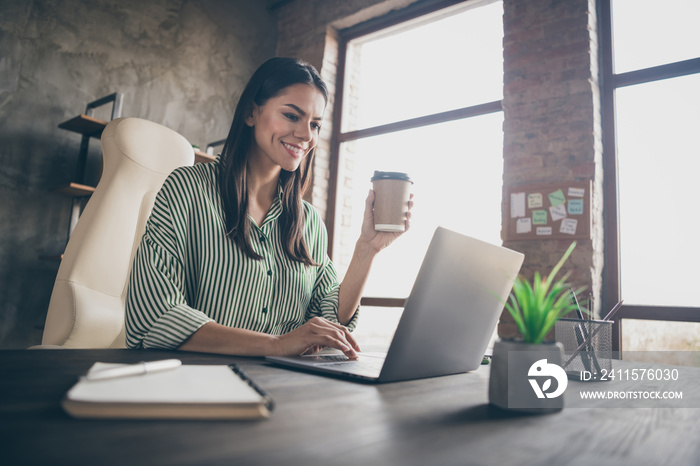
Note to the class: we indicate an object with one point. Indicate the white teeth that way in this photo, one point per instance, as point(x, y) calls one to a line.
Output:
point(296, 150)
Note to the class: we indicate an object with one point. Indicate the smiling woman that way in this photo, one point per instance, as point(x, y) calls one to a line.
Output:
point(286, 128)
point(271, 87)
point(233, 260)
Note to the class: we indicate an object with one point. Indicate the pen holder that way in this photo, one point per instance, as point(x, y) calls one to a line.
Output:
point(587, 348)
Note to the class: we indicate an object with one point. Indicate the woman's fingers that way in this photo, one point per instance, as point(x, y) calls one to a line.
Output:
point(350, 339)
point(369, 200)
point(311, 350)
point(337, 336)
point(344, 332)
point(408, 213)
point(319, 333)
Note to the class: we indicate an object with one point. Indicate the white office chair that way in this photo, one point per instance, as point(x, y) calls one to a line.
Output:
point(88, 300)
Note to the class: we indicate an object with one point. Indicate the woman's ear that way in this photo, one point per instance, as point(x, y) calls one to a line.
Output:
point(250, 120)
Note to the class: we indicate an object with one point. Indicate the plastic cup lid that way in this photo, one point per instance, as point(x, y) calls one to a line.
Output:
point(378, 175)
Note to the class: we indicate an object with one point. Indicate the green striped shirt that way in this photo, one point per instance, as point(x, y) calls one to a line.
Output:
point(187, 272)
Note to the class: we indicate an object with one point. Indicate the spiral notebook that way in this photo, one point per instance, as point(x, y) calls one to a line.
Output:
point(188, 392)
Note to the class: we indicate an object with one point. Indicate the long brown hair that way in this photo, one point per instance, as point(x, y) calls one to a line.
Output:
point(268, 81)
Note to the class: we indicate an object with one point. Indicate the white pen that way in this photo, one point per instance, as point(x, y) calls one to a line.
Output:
point(141, 368)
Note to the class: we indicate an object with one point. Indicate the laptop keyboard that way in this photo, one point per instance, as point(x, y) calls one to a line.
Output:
point(364, 363)
point(332, 357)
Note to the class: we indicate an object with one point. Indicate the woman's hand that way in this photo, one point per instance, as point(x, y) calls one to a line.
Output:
point(314, 335)
point(378, 240)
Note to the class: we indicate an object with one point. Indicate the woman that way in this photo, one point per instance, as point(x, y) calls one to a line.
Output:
point(233, 260)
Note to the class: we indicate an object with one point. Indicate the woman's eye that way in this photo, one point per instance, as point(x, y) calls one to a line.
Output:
point(316, 126)
point(291, 117)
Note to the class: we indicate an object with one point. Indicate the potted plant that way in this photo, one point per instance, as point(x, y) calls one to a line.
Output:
point(524, 371)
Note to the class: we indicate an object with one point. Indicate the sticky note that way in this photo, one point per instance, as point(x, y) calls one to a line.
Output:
point(577, 192)
point(534, 200)
point(575, 206)
point(544, 231)
point(557, 198)
point(557, 212)
point(539, 217)
point(568, 226)
point(524, 225)
point(517, 205)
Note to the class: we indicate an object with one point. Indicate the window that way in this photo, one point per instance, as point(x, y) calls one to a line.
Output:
point(421, 96)
point(651, 113)
point(659, 163)
point(649, 33)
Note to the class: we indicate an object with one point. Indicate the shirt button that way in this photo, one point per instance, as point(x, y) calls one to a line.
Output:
point(269, 273)
point(264, 310)
point(262, 238)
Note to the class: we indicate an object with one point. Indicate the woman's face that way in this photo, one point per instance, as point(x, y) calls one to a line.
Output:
point(286, 127)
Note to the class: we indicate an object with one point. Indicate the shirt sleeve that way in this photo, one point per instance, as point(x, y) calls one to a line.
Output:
point(325, 297)
point(157, 313)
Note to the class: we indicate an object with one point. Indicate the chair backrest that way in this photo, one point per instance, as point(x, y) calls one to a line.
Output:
point(88, 300)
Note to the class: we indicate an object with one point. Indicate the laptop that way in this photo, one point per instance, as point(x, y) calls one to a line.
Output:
point(447, 322)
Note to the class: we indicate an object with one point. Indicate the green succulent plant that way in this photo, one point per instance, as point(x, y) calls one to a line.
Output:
point(536, 306)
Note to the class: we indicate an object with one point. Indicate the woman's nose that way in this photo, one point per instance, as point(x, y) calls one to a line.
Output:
point(303, 132)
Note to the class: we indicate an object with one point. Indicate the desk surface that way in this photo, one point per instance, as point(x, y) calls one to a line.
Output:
point(324, 421)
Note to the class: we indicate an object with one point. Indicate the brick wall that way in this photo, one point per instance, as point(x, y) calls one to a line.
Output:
point(552, 127)
point(552, 130)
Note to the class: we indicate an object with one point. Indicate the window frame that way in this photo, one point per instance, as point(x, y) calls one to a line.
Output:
point(339, 137)
point(612, 81)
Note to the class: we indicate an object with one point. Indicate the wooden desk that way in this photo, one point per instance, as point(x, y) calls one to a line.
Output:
point(323, 421)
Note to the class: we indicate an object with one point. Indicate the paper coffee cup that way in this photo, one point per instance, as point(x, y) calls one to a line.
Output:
point(391, 193)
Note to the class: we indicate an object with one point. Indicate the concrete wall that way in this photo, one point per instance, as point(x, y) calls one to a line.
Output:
point(181, 63)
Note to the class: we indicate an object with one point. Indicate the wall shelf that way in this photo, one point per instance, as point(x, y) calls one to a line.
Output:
point(202, 157)
point(89, 127)
point(85, 125)
point(75, 190)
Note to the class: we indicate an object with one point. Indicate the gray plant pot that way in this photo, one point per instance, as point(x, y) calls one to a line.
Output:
point(521, 381)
